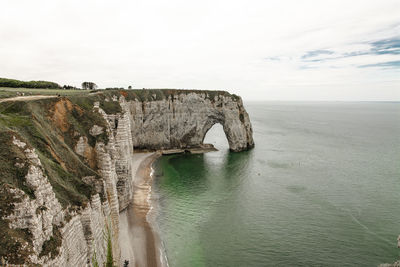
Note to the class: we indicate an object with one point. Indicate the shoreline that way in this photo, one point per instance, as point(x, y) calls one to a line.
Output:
point(140, 243)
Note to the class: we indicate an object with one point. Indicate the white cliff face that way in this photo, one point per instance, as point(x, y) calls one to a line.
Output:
point(38, 215)
point(82, 236)
point(120, 124)
point(183, 120)
point(180, 121)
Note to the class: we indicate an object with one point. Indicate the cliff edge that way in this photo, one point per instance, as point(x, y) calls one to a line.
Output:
point(66, 162)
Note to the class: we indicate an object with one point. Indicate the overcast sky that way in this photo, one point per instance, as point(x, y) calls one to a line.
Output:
point(261, 50)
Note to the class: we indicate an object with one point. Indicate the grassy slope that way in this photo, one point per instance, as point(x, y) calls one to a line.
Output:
point(6, 92)
point(140, 94)
point(53, 126)
point(35, 123)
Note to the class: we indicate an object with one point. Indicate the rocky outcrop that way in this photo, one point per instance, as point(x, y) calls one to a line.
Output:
point(74, 236)
point(81, 237)
point(120, 126)
point(40, 214)
point(182, 121)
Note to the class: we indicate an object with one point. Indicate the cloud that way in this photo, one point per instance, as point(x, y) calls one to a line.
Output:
point(273, 58)
point(389, 64)
point(386, 46)
point(371, 50)
point(277, 49)
point(314, 53)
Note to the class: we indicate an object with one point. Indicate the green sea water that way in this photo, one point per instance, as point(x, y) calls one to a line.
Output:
point(320, 188)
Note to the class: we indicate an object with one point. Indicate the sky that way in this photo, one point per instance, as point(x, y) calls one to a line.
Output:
point(260, 49)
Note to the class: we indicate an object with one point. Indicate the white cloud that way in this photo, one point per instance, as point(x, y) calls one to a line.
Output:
point(216, 44)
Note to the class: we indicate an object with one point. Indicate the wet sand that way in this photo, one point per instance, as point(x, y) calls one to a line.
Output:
point(140, 245)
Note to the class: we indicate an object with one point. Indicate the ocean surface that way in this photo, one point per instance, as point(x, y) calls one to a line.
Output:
point(320, 188)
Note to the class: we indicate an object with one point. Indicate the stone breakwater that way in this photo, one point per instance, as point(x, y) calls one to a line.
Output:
point(180, 121)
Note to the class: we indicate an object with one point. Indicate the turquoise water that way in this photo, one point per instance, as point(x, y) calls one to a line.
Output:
point(321, 188)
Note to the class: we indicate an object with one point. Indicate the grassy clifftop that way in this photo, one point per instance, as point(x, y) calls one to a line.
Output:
point(53, 126)
point(6, 92)
point(160, 94)
point(139, 94)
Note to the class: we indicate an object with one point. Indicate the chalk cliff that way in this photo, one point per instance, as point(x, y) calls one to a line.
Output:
point(182, 121)
point(67, 167)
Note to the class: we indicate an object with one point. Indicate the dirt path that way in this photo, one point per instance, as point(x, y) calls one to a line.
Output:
point(29, 97)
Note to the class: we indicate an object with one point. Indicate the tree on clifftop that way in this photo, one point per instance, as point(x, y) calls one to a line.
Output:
point(89, 86)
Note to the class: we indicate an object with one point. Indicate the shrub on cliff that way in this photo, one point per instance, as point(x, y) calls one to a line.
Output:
point(4, 82)
point(89, 86)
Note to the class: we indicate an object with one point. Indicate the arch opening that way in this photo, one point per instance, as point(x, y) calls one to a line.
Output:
point(216, 136)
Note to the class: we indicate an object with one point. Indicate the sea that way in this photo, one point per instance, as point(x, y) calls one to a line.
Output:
point(320, 188)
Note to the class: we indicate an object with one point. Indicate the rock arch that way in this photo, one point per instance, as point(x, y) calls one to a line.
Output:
point(217, 125)
point(182, 121)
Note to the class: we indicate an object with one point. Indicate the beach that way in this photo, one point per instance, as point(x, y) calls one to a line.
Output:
point(139, 243)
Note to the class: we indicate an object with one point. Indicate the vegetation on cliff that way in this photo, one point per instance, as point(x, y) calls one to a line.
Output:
point(4, 82)
point(160, 94)
point(53, 127)
point(6, 92)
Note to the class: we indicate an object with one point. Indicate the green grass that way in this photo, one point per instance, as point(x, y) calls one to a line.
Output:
point(5, 82)
point(160, 94)
point(6, 92)
point(51, 247)
point(9, 156)
point(139, 94)
point(32, 122)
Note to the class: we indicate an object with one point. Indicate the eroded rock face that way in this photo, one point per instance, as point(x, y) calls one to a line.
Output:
point(183, 120)
point(40, 214)
point(82, 236)
point(178, 122)
point(120, 126)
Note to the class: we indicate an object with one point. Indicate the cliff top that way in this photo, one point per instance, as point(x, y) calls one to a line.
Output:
point(160, 94)
point(59, 134)
point(131, 94)
point(53, 125)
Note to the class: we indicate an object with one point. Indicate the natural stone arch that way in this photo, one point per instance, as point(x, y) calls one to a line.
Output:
point(183, 120)
point(207, 132)
point(216, 137)
point(208, 125)
point(236, 126)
